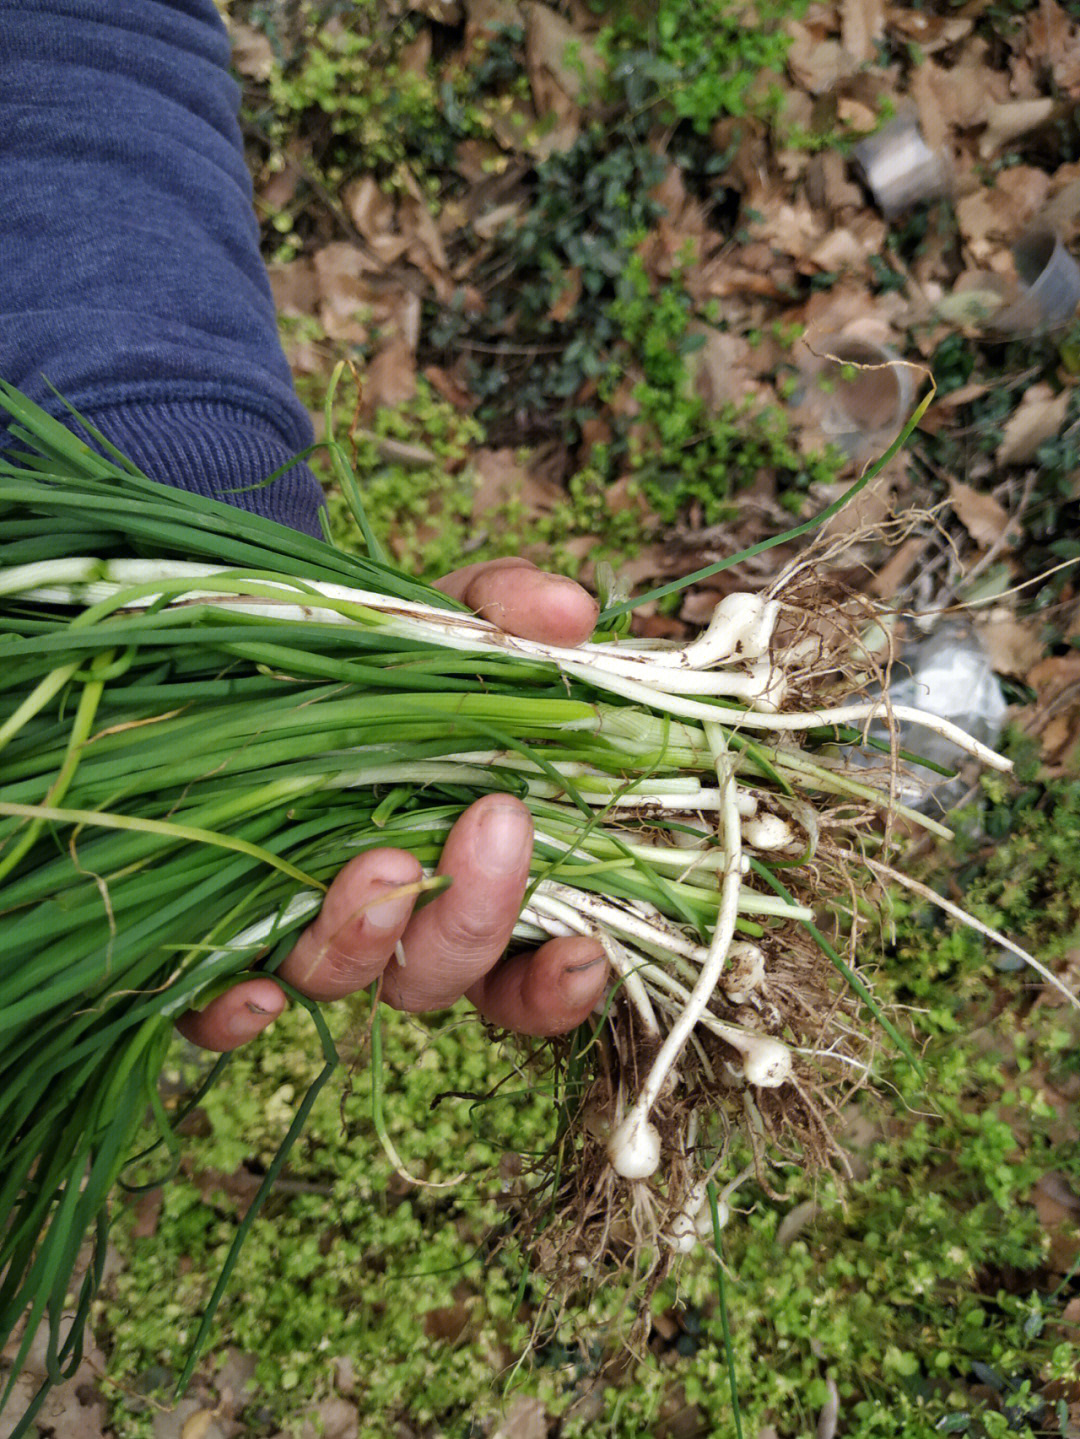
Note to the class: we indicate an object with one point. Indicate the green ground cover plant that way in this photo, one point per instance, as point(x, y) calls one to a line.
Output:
point(697, 63)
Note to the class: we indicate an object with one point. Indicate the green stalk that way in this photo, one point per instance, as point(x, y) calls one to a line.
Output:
point(80, 733)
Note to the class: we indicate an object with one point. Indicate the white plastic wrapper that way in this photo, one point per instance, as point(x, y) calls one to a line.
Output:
point(946, 674)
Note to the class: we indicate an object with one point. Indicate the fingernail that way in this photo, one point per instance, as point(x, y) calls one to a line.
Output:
point(578, 981)
point(388, 914)
point(503, 836)
point(585, 964)
point(244, 1023)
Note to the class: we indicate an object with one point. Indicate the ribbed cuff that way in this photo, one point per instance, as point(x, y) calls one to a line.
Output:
point(217, 450)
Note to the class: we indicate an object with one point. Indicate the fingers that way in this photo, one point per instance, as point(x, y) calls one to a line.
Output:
point(460, 935)
point(453, 943)
point(235, 1017)
point(523, 600)
point(548, 992)
point(360, 922)
point(451, 947)
point(362, 918)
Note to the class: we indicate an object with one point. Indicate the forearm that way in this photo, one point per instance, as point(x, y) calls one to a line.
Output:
point(130, 275)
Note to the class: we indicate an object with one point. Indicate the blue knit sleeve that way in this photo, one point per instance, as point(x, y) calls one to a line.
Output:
point(130, 274)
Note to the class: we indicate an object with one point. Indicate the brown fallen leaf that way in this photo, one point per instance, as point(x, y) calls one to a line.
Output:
point(1064, 1251)
point(816, 62)
point(448, 1323)
point(948, 98)
point(1060, 213)
point(862, 25)
point(984, 517)
point(524, 1417)
point(277, 183)
point(973, 390)
point(502, 479)
point(294, 287)
point(561, 66)
point(886, 581)
point(1023, 190)
point(1052, 676)
point(489, 16)
point(569, 295)
point(252, 53)
point(147, 1207)
point(476, 160)
point(495, 220)
point(867, 510)
point(841, 249)
point(1055, 38)
point(930, 32)
point(1009, 121)
point(857, 115)
point(234, 1381)
point(424, 244)
point(827, 183)
point(344, 293)
point(371, 211)
point(1000, 210)
point(791, 227)
point(722, 370)
point(330, 1419)
point(445, 383)
point(1012, 645)
point(929, 88)
point(1055, 716)
point(1039, 416)
point(499, 479)
point(623, 495)
point(415, 57)
point(390, 378)
point(198, 1425)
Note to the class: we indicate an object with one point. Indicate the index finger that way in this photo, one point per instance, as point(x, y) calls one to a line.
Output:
point(453, 942)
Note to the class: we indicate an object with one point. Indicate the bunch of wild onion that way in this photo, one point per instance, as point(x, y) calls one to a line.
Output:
point(203, 715)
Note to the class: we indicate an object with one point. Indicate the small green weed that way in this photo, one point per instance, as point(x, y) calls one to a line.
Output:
point(684, 452)
point(345, 101)
point(422, 510)
point(697, 62)
point(1017, 863)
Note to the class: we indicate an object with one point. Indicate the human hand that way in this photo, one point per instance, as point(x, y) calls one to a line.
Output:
point(453, 946)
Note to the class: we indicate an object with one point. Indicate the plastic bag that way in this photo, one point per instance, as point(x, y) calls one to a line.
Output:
point(947, 674)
